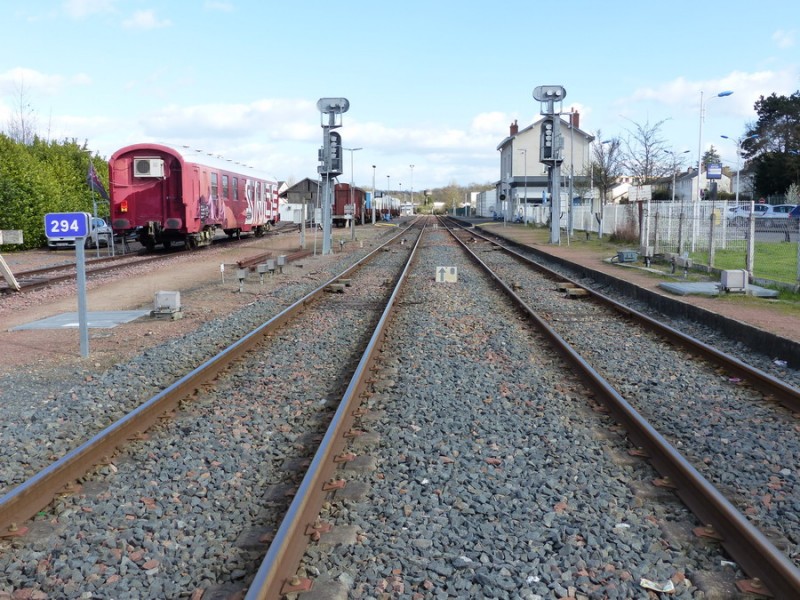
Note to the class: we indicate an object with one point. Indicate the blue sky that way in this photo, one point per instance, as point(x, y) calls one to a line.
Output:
point(433, 83)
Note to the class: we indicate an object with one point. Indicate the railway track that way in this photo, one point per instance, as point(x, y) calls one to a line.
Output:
point(34, 279)
point(395, 384)
point(770, 570)
point(286, 417)
point(712, 381)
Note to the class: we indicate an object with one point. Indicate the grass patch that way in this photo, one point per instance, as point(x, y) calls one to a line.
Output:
point(775, 261)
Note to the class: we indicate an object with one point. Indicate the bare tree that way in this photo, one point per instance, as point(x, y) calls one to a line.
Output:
point(606, 168)
point(645, 152)
point(22, 123)
point(607, 164)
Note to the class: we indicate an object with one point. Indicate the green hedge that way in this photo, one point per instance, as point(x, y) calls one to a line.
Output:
point(40, 178)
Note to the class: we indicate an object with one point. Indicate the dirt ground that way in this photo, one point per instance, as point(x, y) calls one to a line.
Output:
point(205, 293)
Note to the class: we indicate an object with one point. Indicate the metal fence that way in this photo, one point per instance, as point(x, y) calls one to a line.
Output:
point(768, 249)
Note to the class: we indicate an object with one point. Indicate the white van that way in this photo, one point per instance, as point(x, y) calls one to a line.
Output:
point(99, 233)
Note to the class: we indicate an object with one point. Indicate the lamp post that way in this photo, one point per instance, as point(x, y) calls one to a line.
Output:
point(700, 164)
point(412, 188)
point(571, 172)
point(674, 170)
point(373, 194)
point(388, 188)
point(739, 143)
point(672, 205)
point(524, 152)
point(352, 194)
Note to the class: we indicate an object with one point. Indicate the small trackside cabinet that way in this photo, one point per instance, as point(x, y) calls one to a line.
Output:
point(734, 280)
point(167, 301)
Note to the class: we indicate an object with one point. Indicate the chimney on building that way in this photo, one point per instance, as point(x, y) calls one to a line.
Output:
point(576, 119)
point(514, 129)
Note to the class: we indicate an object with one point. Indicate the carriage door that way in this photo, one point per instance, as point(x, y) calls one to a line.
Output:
point(173, 197)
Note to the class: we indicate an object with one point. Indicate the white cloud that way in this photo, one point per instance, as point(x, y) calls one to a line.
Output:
point(145, 19)
point(80, 9)
point(20, 79)
point(274, 119)
point(490, 122)
point(783, 38)
point(681, 94)
point(218, 5)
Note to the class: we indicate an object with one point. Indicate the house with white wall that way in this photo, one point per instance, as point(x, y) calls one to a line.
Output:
point(524, 179)
point(686, 184)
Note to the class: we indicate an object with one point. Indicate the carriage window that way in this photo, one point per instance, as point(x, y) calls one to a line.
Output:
point(235, 188)
point(224, 186)
point(214, 185)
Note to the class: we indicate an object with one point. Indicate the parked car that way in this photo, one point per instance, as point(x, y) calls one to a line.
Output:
point(99, 234)
point(794, 214)
point(775, 215)
point(739, 215)
point(767, 215)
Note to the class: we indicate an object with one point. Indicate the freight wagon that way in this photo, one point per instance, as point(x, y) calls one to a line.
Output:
point(348, 205)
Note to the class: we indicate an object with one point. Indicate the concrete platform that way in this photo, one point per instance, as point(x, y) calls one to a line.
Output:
point(710, 288)
point(96, 320)
point(680, 288)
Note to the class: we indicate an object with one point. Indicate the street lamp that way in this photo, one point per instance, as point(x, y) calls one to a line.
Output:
point(674, 170)
point(412, 188)
point(672, 205)
point(352, 195)
point(373, 194)
point(739, 143)
point(700, 163)
point(524, 152)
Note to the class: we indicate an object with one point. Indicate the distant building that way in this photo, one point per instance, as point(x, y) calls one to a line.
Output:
point(486, 203)
point(305, 192)
point(686, 185)
point(523, 178)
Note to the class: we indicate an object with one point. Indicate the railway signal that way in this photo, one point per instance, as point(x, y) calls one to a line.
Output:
point(331, 158)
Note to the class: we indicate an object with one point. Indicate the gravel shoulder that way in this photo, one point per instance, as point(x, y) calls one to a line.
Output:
point(775, 316)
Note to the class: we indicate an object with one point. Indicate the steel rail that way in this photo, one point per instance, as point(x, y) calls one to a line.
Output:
point(787, 395)
point(27, 286)
point(31, 496)
point(748, 546)
point(277, 575)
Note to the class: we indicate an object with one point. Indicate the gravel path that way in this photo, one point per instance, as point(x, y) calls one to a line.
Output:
point(492, 476)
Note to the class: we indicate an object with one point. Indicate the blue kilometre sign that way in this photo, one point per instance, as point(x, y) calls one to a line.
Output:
point(66, 224)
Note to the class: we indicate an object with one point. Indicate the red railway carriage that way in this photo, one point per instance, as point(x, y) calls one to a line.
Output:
point(172, 194)
point(345, 203)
